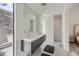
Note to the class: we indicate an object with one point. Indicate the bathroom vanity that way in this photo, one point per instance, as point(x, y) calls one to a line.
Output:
point(32, 42)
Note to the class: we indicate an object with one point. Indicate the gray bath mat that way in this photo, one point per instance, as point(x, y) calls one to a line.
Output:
point(49, 49)
point(43, 54)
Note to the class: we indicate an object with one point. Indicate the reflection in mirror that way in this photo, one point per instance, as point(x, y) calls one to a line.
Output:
point(6, 29)
point(30, 19)
point(31, 25)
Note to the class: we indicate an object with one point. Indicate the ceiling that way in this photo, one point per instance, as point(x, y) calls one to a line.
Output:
point(54, 8)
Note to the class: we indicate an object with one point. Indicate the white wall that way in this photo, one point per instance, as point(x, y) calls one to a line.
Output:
point(48, 29)
point(70, 17)
point(38, 23)
point(19, 27)
point(65, 29)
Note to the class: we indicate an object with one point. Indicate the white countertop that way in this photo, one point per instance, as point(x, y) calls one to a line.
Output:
point(32, 36)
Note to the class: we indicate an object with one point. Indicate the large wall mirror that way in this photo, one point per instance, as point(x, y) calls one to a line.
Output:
point(30, 19)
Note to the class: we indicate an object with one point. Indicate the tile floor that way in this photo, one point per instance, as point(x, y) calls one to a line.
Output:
point(59, 51)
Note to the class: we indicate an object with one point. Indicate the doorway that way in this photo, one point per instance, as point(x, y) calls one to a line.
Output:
point(57, 28)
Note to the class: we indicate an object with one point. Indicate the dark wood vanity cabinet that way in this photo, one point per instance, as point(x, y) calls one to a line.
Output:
point(37, 43)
